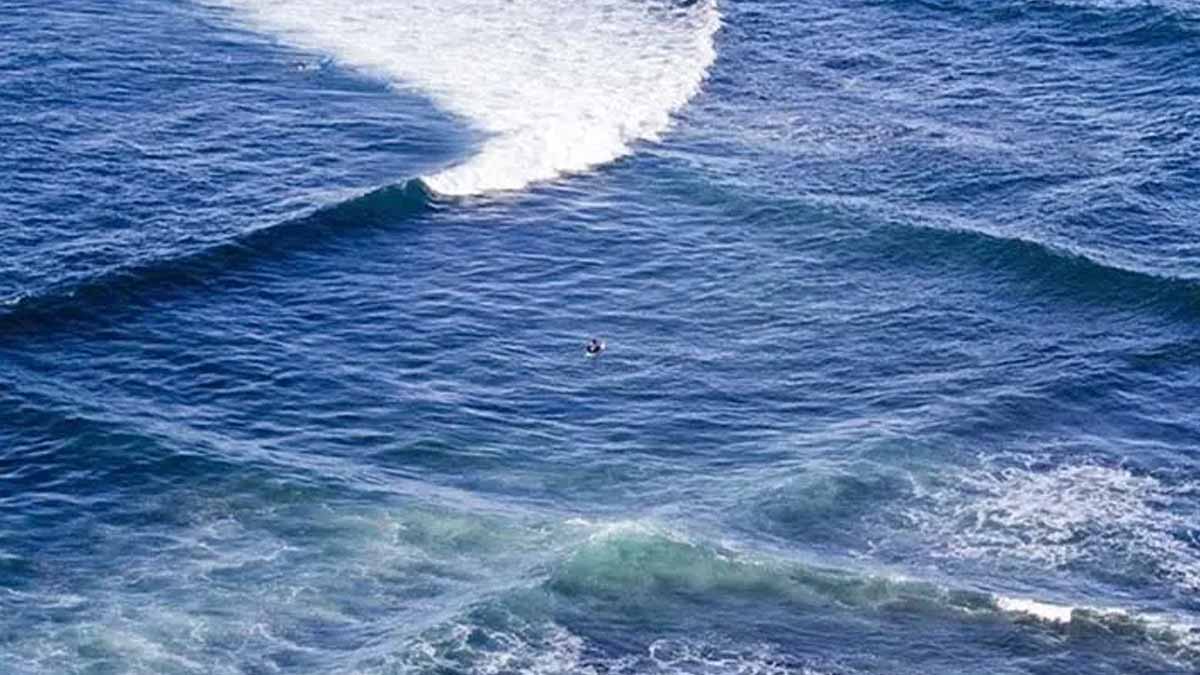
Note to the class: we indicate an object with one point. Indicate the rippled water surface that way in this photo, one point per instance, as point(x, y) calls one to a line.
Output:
point(901, 301)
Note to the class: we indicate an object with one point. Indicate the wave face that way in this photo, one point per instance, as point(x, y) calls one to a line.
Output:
point(556, 86)
point(139, 284)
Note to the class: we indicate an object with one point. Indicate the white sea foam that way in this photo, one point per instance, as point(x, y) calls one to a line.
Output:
point(692, 657)
point(516, 645)
point(1068, 515)
point(237, 586)
point(1042, 610)
point(603, 530)
point(547, 648)
point(557, 86)
point(1172, 634)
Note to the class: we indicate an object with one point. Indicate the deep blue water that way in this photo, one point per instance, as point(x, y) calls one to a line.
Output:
point(902, 314)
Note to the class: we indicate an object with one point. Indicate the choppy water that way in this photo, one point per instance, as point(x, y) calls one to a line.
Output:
point(902, 304)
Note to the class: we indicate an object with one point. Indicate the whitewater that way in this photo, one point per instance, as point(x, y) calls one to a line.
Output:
point(552, 87)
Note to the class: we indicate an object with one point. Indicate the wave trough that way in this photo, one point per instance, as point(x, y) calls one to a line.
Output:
point(555, 86)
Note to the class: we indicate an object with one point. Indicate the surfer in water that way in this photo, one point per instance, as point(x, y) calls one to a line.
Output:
point(594, 347)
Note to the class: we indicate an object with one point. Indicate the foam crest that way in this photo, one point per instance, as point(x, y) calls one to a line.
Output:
point(556, 86)
point(1041, 610)
point(1171, 634)
point(602, 530)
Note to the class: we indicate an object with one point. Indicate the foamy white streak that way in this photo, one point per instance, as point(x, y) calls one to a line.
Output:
point(557, 86)
point(1183, 636)
point(1042, 610)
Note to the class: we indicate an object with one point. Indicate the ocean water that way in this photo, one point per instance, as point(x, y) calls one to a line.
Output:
point(901, 299)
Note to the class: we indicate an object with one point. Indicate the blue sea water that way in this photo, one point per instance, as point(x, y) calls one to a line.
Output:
point(902, 305)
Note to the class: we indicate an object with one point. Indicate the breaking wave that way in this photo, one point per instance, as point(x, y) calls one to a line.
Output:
point(555, 86)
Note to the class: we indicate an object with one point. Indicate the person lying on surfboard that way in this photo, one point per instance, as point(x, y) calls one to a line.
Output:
point(594, 347)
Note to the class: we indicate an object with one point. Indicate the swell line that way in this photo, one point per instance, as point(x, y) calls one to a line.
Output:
point(1088, 23)
point(141, 283)
point(1054, 270)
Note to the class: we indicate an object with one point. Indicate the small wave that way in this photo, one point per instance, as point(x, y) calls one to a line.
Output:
point(128, 286)
point(1173, 636)
point(637, 561)
point(555, 86)
point(1070, 273)
point(1135, 23)
point(1093, 23)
